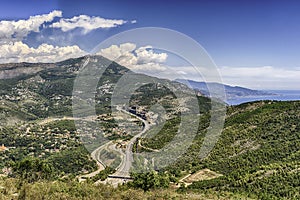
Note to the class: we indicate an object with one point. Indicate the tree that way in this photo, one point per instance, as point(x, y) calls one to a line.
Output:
point(150, 180)
point(32, 169)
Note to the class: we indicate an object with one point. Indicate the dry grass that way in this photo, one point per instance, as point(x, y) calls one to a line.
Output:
point(204, 174)
point(72, 190)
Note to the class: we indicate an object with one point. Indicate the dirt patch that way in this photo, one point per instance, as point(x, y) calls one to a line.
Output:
point(204, 174)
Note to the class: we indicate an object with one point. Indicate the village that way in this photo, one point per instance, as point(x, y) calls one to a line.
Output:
point(44, 137)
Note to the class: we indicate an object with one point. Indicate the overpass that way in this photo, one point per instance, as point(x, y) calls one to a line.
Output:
point(120, 177)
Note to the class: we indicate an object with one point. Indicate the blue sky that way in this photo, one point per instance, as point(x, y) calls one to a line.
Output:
point(255, 38)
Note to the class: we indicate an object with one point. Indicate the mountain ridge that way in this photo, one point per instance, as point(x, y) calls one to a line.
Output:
point(230, 91)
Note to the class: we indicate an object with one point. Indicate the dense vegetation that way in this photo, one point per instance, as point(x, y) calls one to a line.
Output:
point(258, 152)
point(55, 143)
point(257, 155)
point(28, 101)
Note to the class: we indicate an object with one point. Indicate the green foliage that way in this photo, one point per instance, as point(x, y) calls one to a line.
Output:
point(56, 141)
point(62, 125)
point(73, 190)
point(256, 152)
point(171, 126)
point(149, 180)
point(68, 162)
point(151, 93)
point(164, 136)
point(102, 175)
point(33, 169)
point(58, 87)
point(73, 161)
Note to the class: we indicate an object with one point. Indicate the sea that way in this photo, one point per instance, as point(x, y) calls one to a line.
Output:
point(278, 95)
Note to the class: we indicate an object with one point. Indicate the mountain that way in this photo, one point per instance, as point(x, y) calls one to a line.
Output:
point(29, 91)
point(256, 156)
point(36, 110)
point(231, 91)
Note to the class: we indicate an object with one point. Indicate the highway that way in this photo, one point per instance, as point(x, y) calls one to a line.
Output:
point(124, 168)
point(122, 173)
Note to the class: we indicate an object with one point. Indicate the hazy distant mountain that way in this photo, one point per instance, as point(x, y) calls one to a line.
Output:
point(231, 91)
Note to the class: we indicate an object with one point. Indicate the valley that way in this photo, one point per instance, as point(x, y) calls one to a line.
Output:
point(45, 145)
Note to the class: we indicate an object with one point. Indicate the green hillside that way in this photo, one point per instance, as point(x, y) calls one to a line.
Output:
point(257, 153)
point(256, 157)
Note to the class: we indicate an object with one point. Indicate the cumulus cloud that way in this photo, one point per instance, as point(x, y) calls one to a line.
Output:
point(146, 60)
point(14, 32)
point(17, 30)
point(20, 52)
point(140, 59)
point(146, 55)
point(87, 23)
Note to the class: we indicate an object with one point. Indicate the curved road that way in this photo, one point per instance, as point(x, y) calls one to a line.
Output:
point(124, 168)
point(95, 156)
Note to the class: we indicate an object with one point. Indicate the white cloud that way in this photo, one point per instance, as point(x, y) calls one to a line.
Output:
point(142, 59)
point(87, 23)
point(114, 52)
point(265, 77)
point(261, 78)
point(146, 60)
point(13, 33)
point(17, 30)
point(146, 55)
point(20, 52)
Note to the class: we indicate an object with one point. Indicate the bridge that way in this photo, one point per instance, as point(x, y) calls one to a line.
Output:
point(120, 177)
